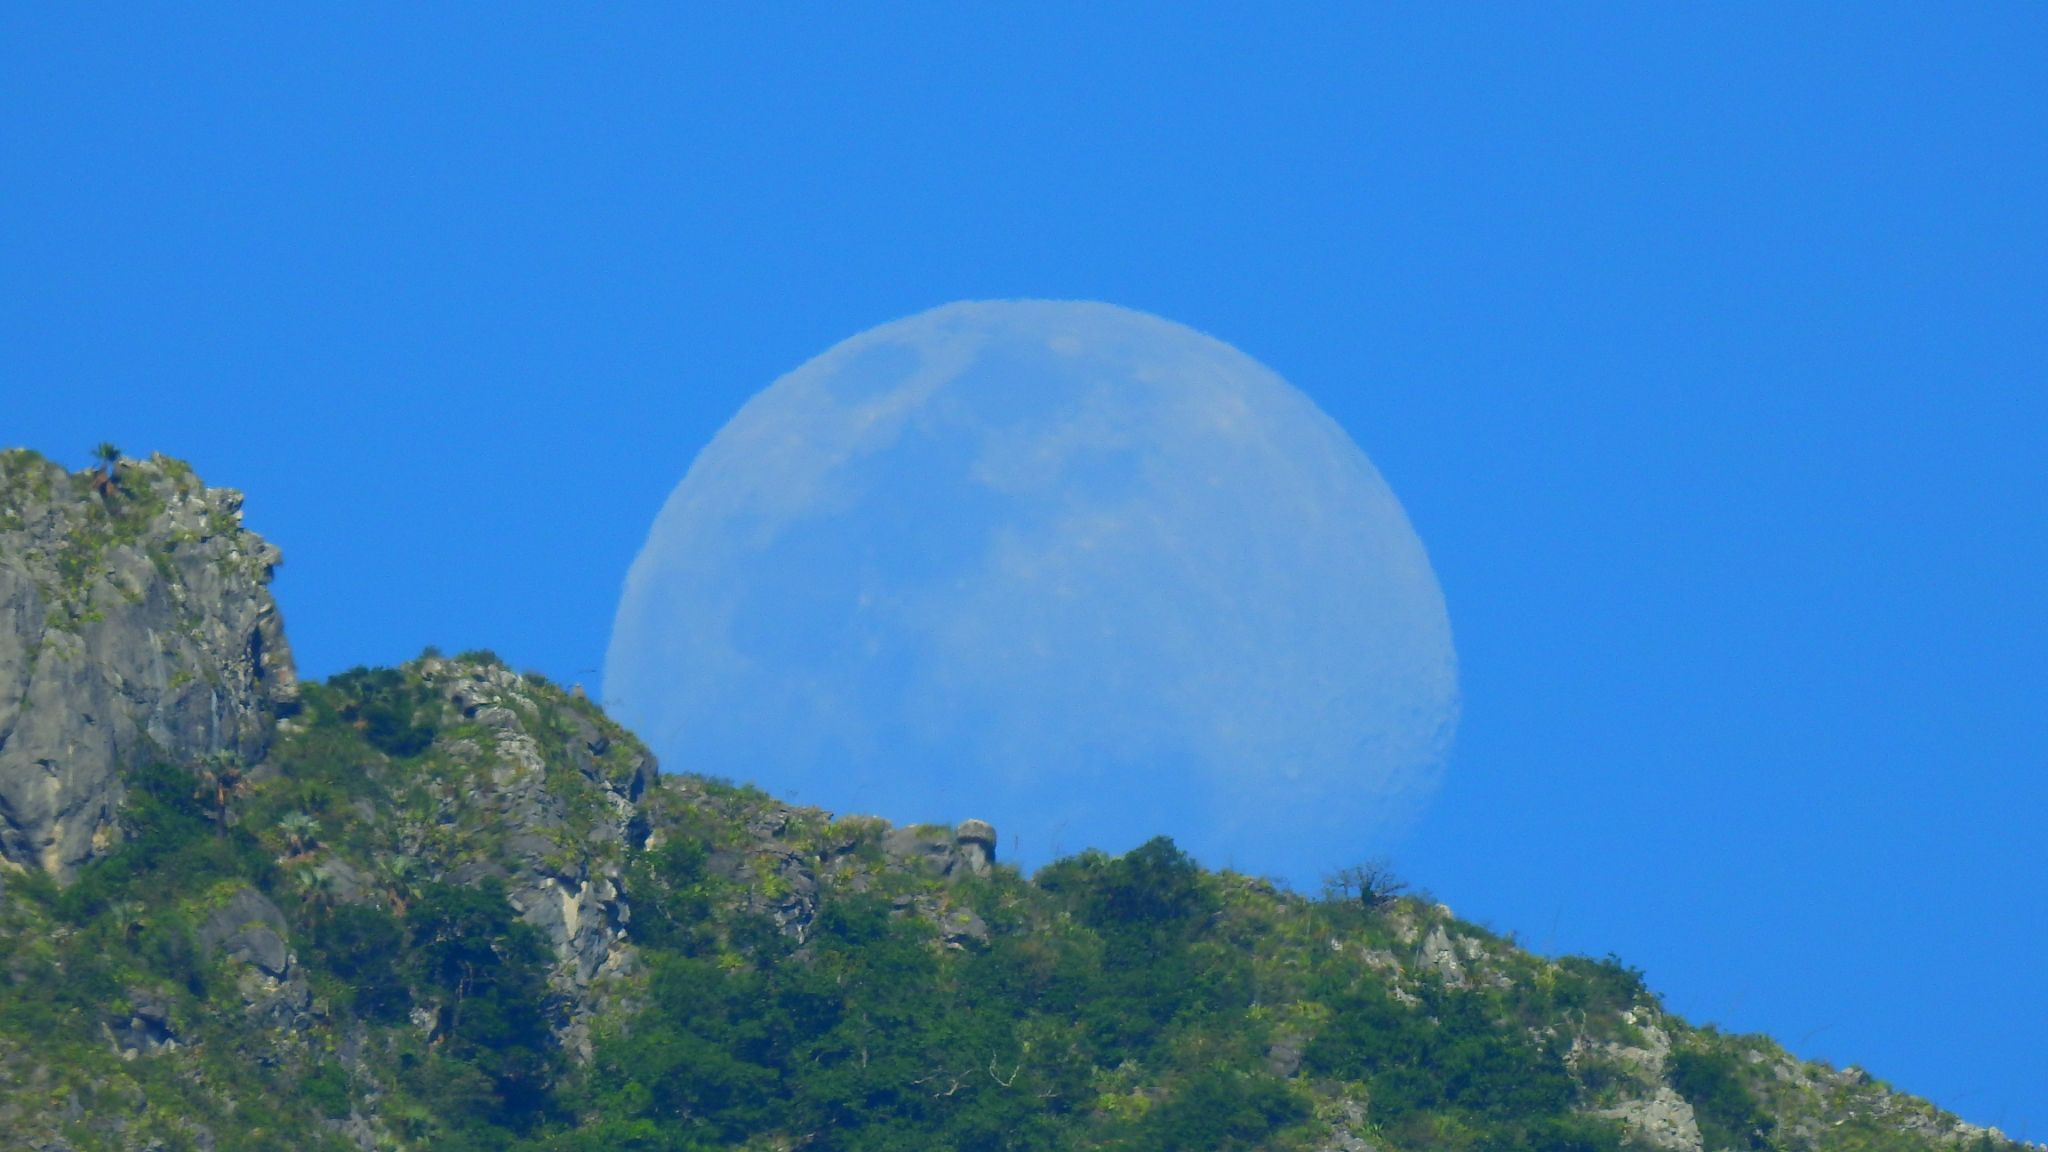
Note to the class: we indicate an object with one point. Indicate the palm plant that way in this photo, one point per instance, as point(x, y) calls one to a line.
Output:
point(396, 871)
point(316, 887)
point(220, 778)
point(108, 456)
point(298, 829)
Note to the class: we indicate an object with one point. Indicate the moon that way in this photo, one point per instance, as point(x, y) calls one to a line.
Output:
point(1073, 569)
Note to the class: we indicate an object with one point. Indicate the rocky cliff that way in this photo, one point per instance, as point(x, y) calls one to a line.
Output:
point(135, 622)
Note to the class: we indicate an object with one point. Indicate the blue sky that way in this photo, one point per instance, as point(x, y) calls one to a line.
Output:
point(1705, 347)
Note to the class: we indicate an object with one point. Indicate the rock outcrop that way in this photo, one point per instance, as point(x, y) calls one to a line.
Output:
point(560, 791)
point(249, 929)
point(135, 622)
point(968, 849)
point(251, 934)
point(1663, 1119)
point(1438, 955)
point(145, 1029)
point(1657, 1116)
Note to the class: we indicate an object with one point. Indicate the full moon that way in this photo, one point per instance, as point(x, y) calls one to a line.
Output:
point(1076, 570)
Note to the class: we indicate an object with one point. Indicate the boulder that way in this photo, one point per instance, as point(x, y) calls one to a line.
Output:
point(251, 930)
point(975, 842)
point(964, 929)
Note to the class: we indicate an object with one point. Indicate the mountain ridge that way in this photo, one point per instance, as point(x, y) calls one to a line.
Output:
point(454, 905)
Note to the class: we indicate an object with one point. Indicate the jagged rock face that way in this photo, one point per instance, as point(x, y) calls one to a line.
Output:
point(1663, 1120)
point(1657, 1116)
point(1439, 956)
point(135, 621)
point(569, 796)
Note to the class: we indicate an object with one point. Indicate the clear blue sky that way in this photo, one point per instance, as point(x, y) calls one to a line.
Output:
point(1706, 345)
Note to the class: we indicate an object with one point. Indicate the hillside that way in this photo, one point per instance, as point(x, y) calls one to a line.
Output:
point(453, 906)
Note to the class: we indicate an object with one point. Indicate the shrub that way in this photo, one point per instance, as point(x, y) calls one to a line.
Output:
point(1604, 986)
point(1711, 1081)
point(1216, 1111)
point(360, 946)
point(397, 714)
point(487, 970)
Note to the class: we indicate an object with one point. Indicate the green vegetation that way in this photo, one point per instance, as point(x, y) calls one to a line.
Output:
point(108, 458)
point(484, 975)
point(1712, 1082)
point(394, 714)
point(501, 937)
point(113, 514)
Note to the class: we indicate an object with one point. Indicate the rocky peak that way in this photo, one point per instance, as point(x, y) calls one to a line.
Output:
point(486, 775)
point(136, 622)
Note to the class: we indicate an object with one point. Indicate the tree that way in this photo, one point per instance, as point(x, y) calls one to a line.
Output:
point(1154, 883)
point(298, 829)
point(317, 889)
point(108, 456)
point(1373, 883)
point(484, 971)
point(220, 778)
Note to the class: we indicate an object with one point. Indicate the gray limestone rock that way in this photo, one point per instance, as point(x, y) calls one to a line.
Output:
point(135, 622)
point(347, 883)
point(792, 902)
point(1345, 1128)
point(570, 810)
point(358, 1129)
point(249, 930)
point(257, 945)
point(970, 848)
point(246, 915)
point(927, 845)
point(1283, 1055)
point(964, 929)
point(1439, 956)
point(1662, 1120)
point(145, 1029)
point(975, 842)
point(1655, 1115)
